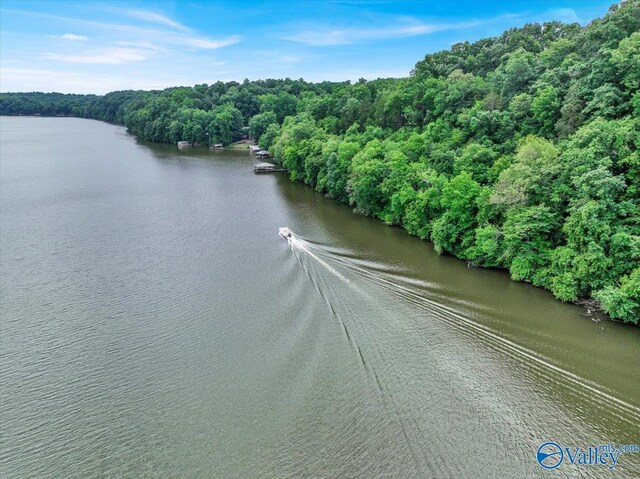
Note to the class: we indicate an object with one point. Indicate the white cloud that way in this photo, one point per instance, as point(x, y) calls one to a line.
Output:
point(70, 36)
point(31, 79)
point(352, 35)
point(205, 43)
point(83, 23)
point(141, 44)
point(401, 27)
point(111, 56)
point(153, 18)
point(186, 38)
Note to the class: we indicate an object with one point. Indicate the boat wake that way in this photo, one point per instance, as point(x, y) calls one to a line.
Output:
point(339, 303)
point(299, 244)
point(427, 299)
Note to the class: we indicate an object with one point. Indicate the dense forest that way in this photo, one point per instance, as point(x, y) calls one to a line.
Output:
point(517, 152)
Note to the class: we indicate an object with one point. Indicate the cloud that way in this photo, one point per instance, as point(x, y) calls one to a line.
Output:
point(153, 18)
point(140, 44)
point(85, 23)
point(325, 37)
point(403, 27)
point(111, 56)
point(46, 80)
point(188, 38)
point(70, 36)
point(205, 43)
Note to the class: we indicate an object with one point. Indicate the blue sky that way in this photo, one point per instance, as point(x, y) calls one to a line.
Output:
point(97, 47)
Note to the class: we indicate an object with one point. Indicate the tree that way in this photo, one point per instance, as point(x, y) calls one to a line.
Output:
point(477, 160)
point(259, 123)
point(530, 179)
point(546, 110)
point(226, 126)
point(527, 240)
point(268, 138)
point(368, 171)
point(623, 301)
point(626, 59)
point(453, 232)
point(282, 104)
point(517, 73)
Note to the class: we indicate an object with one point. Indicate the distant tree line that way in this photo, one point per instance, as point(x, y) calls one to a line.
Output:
point(203, 114)
point(517, 152)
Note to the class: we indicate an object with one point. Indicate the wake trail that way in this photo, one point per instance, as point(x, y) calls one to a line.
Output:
point(515, 350)
point(415, 292)
point(298, 246)
point(444, 314)
point(302, 246)
point(298, 243)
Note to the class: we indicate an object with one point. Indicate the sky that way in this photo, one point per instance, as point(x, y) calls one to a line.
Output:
point(101, 46)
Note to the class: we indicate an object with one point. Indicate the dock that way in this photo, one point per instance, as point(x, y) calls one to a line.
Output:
point(267, 168)
point(262, 154)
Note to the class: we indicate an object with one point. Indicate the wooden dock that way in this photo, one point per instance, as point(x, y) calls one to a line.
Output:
point(278, 170)
point(267, 168)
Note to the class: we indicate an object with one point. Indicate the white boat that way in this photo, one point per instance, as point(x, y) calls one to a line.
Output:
point(285, 232)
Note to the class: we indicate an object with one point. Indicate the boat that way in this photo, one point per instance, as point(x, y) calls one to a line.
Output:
point(285, 232)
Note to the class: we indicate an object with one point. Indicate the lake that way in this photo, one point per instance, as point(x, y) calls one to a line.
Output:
point(154, 324)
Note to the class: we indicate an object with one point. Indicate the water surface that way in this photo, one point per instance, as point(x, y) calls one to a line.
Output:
point(155, 325)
